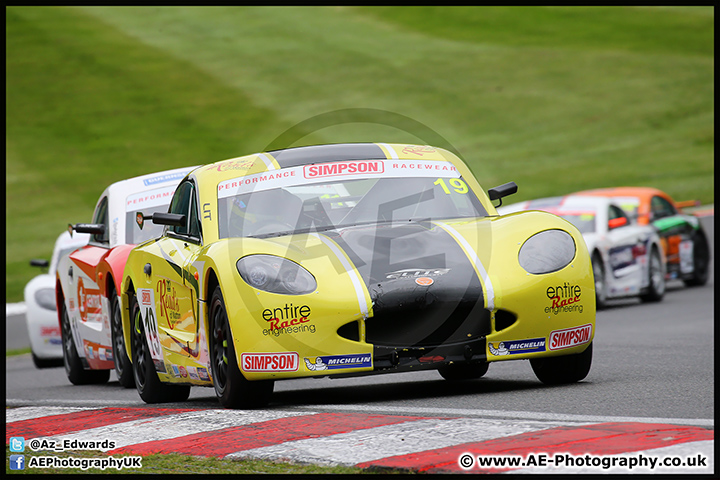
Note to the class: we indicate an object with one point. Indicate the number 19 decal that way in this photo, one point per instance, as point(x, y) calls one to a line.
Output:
point(457, 184)
point(146, 298)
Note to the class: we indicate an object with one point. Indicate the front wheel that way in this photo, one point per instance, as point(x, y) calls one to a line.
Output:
point(231, 387)
point(465, 371)
point(656, 281)
point(600, 284)
point(74, 369)
point(148, 385)
point(123, 367)
point(565, 369)
point(46, 362)
point(701, 262)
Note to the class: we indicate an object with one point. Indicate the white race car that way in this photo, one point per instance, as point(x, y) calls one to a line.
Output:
point(41, 316)
point(627, 258)
point(88, 278)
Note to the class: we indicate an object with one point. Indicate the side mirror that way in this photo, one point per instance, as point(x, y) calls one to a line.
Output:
point(39, 262)
point(501, 191)
point(171, 219)
point(617, 222)
point(92, 228)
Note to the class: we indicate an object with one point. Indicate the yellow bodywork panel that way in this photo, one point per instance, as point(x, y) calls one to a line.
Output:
point(277, 336)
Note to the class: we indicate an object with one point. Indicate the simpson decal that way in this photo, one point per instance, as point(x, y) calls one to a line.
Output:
point(343, 168)
point(270, 362)
point(570, 337)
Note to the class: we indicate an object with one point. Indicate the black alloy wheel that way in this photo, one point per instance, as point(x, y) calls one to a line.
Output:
point(74, 368)
point(232, 388)
point(147, 383)
point(123, 367)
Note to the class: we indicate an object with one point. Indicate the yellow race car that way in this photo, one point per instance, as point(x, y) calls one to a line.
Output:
point(349, 259)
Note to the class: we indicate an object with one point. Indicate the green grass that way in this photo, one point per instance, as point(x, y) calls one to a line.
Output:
point(556, 99)
point(16, 352)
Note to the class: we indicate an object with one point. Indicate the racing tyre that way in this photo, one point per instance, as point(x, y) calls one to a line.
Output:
point(74, 369)
point(565, 369)
point(701, 262)
point(148, 384)
point(123, 367)
point(656, 282)
point(47, 362)
point(463, 371)
point(232, 388)
point(600, 284)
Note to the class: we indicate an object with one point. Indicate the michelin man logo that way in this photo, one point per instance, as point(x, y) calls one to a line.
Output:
point(500, 350)
point(318, 365)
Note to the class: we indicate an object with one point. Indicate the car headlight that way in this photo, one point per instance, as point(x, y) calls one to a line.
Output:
point(276, 275)
point(45, 297)
point(547, 252)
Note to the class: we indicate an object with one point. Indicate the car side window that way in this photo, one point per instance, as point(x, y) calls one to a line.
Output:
point(617, 217)
point(193, 219)
point(101, 217)
point(661, 208)
point(184, 203)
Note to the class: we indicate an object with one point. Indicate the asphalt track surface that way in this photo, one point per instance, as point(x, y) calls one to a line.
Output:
point(650, 390)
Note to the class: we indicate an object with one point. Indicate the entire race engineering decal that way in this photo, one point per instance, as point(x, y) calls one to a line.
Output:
point(565, 298)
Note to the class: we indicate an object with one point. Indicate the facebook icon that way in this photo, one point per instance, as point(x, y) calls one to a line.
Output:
point(17, 462)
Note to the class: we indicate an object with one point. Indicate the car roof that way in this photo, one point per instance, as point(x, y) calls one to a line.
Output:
point(641, 192)
point(143, 191)
point(298, 156)
point(148, 181)
point(567, 204)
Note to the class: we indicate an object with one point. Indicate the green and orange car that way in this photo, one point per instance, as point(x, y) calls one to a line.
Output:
point(681, 235)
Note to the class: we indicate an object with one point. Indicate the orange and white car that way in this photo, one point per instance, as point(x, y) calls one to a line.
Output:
point(682, 237)
point(87, 280)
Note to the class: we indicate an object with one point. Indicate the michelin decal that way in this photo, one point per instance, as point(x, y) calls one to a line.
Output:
point(333, 362)
point(514, 347)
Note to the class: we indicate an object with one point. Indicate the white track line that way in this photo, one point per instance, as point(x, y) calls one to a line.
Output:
point(31, 413)
point(558, 417)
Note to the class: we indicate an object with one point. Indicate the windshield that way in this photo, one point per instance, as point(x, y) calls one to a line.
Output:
point(324, 196)
point(585, 222)
point(145, 203)
point(629, 205)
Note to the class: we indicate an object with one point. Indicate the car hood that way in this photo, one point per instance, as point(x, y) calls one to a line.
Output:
point(422, 284)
